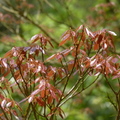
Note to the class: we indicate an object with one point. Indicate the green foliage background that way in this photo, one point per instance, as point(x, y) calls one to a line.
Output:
point(57, 16)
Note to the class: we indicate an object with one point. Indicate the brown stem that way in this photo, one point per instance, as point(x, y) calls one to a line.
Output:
point(22, 15)
point(4, 112)
point(34, 111)
point(118, 110)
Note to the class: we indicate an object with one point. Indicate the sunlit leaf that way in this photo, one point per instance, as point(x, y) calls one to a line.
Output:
point(35, 92)
point(96, 46)
point(30, 99)
point(65, 38)
point(3, 103)
point(50, 99)
point(4, 61)
point(9, 104)
point(8, 54)
point(34, 38)
point(93, 62)
point(112, 33)
point(80, 28)
point(114, 60)
point(40, 102)
point(51, 57)
point(99, 39)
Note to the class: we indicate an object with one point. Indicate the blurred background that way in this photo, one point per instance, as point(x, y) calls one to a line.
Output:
point(22, 19)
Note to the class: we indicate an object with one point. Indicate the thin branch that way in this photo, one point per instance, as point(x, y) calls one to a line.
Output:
point(110, 85)
point(76, 93)
point(112, 102)
point(34, 111)
point(22, 15)
point(4, 112)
